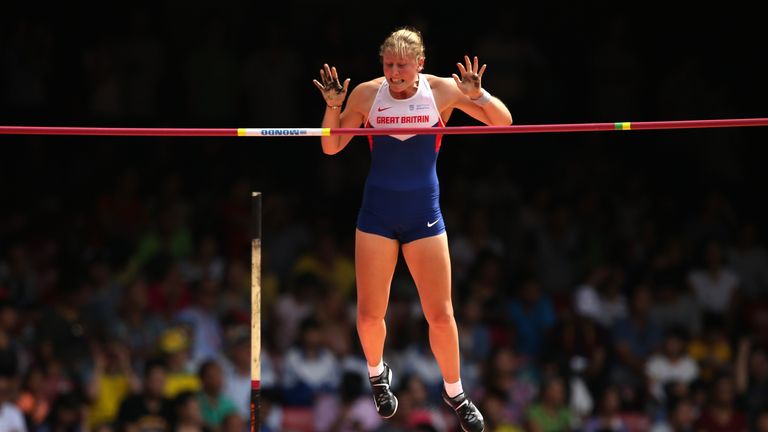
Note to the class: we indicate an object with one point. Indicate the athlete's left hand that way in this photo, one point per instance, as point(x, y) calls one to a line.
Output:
point(471, 77)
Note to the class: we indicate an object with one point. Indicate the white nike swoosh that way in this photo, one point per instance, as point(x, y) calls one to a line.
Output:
point(429, 224)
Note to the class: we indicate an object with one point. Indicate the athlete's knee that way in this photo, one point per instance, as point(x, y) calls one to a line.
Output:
point(368, 319)
point(440, 317)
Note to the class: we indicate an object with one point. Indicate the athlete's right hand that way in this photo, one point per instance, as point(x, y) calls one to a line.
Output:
point(332, 90)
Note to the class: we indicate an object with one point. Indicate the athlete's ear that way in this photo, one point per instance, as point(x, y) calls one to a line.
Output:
point(421, 63)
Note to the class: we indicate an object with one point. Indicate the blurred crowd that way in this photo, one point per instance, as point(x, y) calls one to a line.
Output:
point(620, 306)
point(601, 283)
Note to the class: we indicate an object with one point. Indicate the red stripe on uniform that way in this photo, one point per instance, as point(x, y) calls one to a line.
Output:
point(439, 137)
point(370, 137)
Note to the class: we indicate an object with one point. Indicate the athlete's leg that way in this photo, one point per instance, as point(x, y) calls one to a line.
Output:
point(429, 263)
point(375, 260)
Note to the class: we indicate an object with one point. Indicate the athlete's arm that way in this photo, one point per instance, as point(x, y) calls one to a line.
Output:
point(334, 94)
point(467, 89)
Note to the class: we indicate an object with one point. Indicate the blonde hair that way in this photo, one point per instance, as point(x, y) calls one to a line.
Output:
point(404, 42)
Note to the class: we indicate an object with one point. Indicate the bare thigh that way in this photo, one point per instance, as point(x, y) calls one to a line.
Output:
point(375, 260)
point(430, 265)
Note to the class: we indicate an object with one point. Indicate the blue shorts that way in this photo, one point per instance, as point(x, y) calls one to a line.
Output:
point(401, 215)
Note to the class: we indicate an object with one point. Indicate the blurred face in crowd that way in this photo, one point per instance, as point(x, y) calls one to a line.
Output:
point(69, 416)
point(233, 423)
point(611, 401)
point(190, 411)
point(241, 354)
point(493, 409)
point(213, 379)
point(683, 415)
point(208, 295)
point(312, 338)
point(6, 389)
point(761, 423)
point(9, 317)
point(505, 362)
point(674, 346)
point(416, 389)
point(472, 312)
point(554, 392)
point(724, 391)
point(530, 291)
point(758, 365)
point(155, 381)
point(713, 256)
point(641, 300)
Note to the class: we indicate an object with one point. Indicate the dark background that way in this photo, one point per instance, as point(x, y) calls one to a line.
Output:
point(70, 203)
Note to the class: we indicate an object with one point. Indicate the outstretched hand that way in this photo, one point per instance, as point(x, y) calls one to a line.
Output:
point(470, 82)
point(332, 90)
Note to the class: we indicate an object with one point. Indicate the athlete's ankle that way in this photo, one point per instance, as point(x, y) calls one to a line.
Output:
point(453, 389)
point(374, 371)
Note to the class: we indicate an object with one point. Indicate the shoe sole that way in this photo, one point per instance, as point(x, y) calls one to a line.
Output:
point(389, 379)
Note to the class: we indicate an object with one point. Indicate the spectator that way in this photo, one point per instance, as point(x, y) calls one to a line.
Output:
point(579, 344)
point(168, 293)
point(550, 413)
point(351, 411)
point(310, 368)
point(715, 286)
point(214, 404)
point(505, 371)
point(149, 409)
point(206, 263)
point(11, 418)
point(135, 323)
point(635, 338)
point(62, 326)
point(474, 339)
point(712, 349)
point(671, 365)
point(493, 406)
point(329, 265)
point(600, 296)
point(749, 260)
point(761, 422)
point(187, 414)
point(682, 417)
point(233, 422)
point(237, 370)
point(10, 350)
point(111, 381)
point(294, 307)
point(674, 306)
point(608, 415)
point(179, 373)
point(33, 399)
point(721, 413)
point(66, 415)
point(532, 315)
point(752, 377)
point(202, 319)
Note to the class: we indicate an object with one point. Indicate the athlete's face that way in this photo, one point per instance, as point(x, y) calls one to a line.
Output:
point(401, 72)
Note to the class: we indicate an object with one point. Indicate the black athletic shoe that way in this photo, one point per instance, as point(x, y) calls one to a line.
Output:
point(470, 418)
point(386, 402)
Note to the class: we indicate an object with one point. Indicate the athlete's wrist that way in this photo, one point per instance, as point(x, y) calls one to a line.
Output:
point(333, 107)
point(483, 99)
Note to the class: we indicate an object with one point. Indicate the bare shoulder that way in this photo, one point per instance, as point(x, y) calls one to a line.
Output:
point(362, 96)
point(368, 89)
point(440, 83)
point(445, 91)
